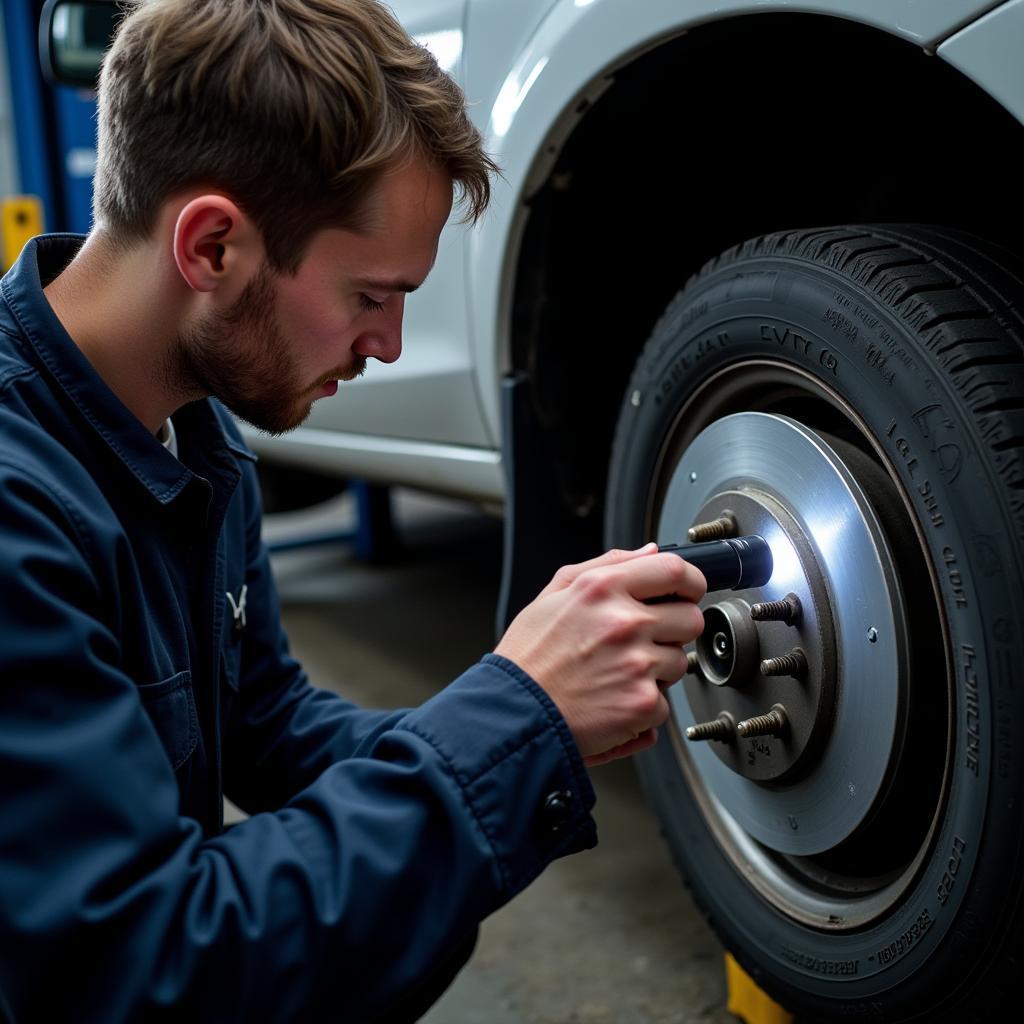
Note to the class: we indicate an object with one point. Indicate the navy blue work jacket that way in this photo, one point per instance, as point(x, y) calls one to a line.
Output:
point(133, 696)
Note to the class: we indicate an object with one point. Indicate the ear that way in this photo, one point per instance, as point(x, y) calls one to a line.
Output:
point(216, 246)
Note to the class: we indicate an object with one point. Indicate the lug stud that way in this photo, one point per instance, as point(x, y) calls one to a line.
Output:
point(788, 610)
point(692, 664)
point(723, 728)
point(772, 724)
point(792, 664)
point(714, 529)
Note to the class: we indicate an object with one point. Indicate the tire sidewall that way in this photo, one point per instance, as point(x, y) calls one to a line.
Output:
point(815, 319)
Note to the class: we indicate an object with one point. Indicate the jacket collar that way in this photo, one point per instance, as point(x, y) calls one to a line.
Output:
point(141, 452)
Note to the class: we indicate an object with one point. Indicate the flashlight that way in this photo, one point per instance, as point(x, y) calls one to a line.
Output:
point(735, 563)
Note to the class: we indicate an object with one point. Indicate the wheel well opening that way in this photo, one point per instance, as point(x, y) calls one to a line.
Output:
point(754, 124)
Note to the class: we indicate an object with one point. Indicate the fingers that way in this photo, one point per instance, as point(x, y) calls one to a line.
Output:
point(676, 622)
point(650, 708)
point(644, 573)
point(662, 574)
point(671, 663)
point(568, 573)
point(645, 576)
point(644, 741)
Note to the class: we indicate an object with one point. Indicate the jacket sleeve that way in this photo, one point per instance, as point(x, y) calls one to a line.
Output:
point(114, 908)
point(282, 731)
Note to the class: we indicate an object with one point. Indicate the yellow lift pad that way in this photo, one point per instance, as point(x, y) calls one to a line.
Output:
point(749, 1002)
point(21, 218)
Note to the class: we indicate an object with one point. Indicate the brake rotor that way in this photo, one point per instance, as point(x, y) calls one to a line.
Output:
point(809, 788)
point(734, 648)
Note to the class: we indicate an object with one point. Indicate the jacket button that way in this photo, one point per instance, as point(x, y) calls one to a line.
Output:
point(556, 810)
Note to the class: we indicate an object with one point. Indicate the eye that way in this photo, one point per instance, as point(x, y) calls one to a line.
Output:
point(370, 305)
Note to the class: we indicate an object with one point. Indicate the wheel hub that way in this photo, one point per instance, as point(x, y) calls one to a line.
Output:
point(841, 661)
point(739, 684)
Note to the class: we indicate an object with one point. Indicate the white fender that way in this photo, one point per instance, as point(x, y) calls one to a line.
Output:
point(527, 112)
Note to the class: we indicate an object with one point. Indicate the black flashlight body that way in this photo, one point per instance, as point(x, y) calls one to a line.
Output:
point(735, 563)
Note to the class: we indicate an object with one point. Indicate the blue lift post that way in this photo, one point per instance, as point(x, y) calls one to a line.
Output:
point(35, 169)
point(54, 127)
point(373, 538)
point(75, 115)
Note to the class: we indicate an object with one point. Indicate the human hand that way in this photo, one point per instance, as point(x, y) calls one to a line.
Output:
point(602, 654)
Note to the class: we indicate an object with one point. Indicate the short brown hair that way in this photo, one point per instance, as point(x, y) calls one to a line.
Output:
point(292, 107)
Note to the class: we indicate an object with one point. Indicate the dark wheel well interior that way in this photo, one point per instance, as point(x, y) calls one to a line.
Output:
point(737, 128)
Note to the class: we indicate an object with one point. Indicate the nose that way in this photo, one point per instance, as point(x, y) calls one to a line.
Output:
point(384, 343)
point(386, 347)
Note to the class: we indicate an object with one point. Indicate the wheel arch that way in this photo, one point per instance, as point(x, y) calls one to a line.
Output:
point(792, 139)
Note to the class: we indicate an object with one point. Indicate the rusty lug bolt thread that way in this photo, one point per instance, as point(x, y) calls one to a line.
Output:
point(723, 728)
point(772, 724)
point(715, 529)
point(788, 610)
point(792, 664)
point(692, 663)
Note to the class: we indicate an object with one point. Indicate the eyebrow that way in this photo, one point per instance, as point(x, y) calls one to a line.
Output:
point(376, 284)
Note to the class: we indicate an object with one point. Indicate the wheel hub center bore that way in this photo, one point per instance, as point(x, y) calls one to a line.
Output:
point(795, 707)
point(728, 648)
point(743, 660)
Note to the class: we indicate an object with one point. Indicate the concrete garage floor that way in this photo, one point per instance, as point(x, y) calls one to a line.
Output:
point(606, 937)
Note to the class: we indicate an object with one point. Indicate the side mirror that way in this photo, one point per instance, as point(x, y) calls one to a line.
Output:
point(73, 37)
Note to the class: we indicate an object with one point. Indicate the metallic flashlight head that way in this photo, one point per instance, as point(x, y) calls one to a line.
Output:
point(735, 563)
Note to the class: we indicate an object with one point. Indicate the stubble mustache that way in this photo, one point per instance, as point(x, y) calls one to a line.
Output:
point(354, 369)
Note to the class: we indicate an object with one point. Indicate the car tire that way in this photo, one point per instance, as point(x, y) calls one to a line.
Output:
point(878, 368)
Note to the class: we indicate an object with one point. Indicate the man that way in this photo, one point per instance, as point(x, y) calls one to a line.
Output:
point(272, 179)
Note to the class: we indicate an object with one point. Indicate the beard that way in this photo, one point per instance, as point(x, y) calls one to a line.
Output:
point(241, 358)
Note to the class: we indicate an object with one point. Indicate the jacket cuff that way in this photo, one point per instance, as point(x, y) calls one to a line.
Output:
point(521, 774)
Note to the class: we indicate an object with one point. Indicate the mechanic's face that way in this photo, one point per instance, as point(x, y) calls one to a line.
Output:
point(288, 340)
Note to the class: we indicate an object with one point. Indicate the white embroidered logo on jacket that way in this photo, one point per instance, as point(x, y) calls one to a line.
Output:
point(238, 610)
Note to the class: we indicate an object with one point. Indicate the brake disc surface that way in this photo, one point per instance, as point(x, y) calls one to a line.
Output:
point(829, 550)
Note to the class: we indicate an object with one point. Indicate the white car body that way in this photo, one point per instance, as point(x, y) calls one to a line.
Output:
point(433, 419)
